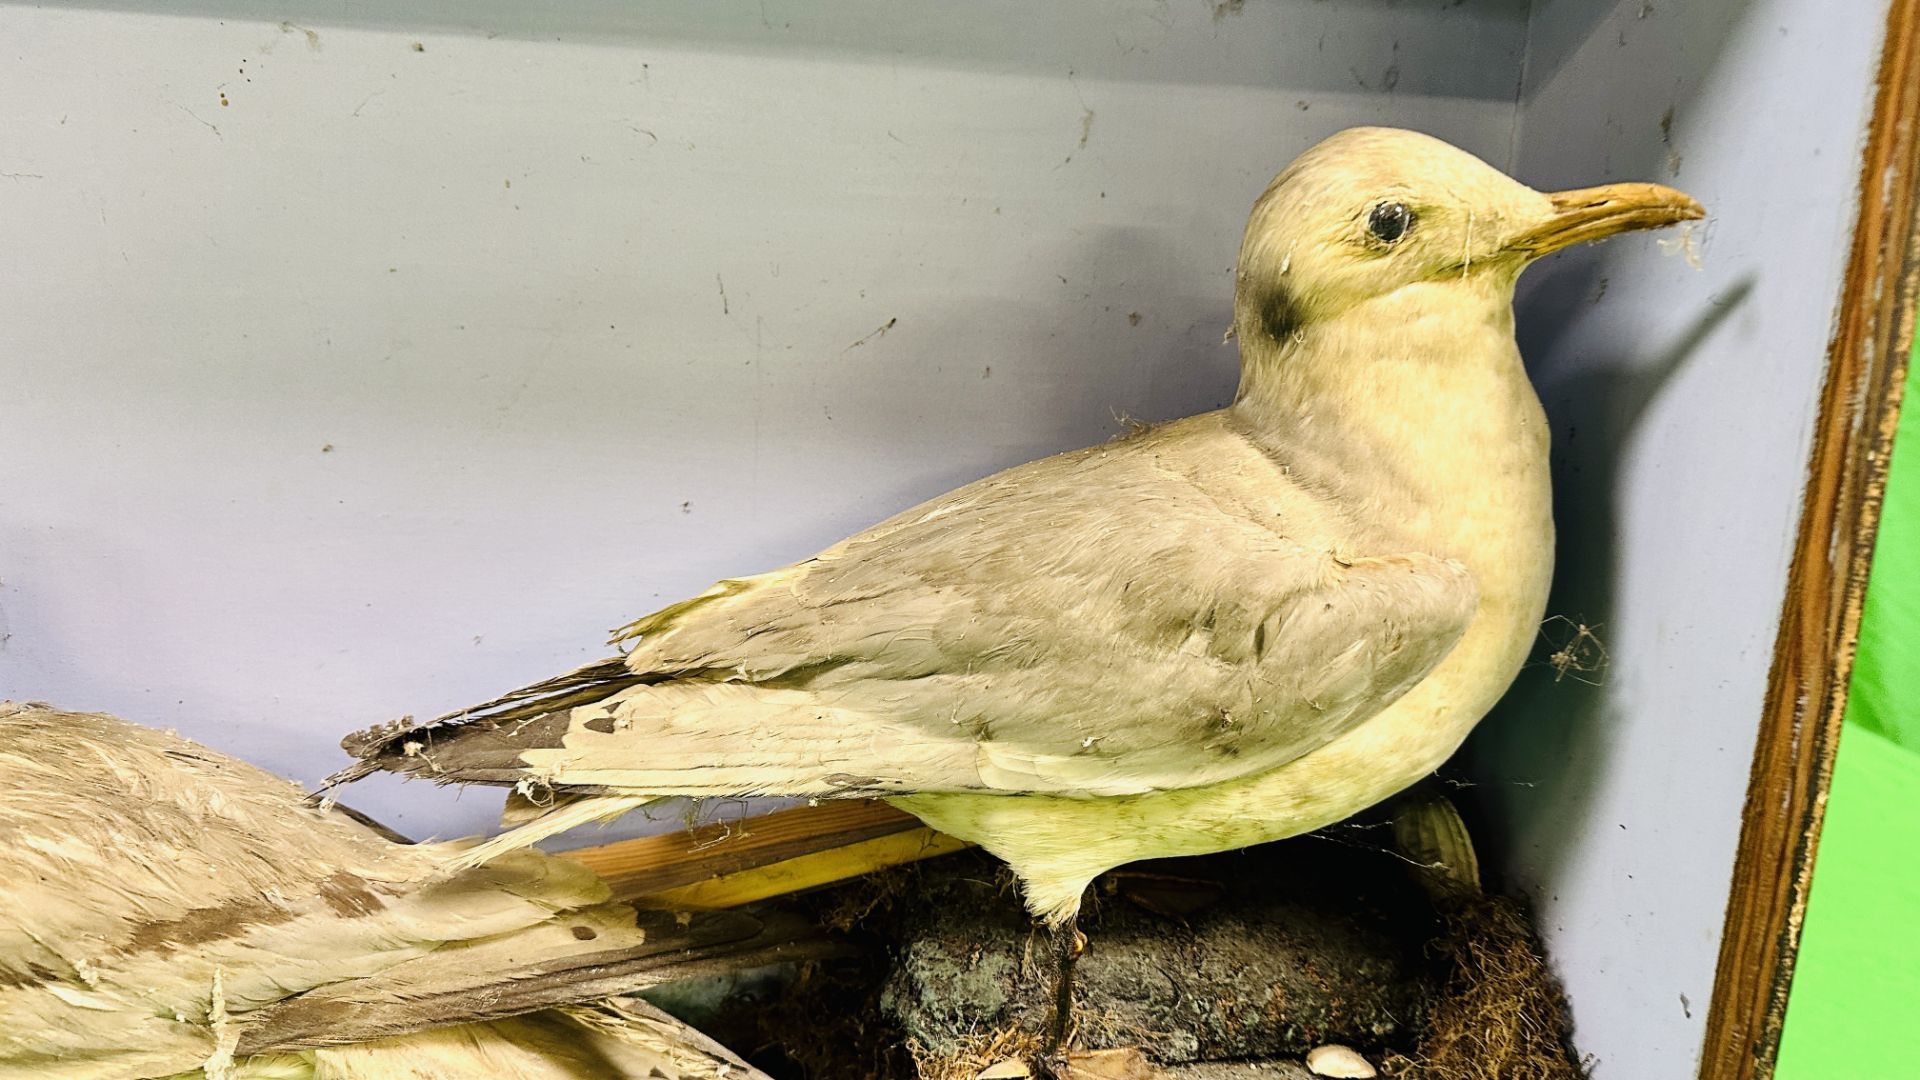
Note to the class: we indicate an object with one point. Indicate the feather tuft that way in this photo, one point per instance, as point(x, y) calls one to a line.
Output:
point(570, 814)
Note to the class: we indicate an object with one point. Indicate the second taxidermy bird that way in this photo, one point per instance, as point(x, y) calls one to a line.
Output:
point(1228, 629)
point(168, 911)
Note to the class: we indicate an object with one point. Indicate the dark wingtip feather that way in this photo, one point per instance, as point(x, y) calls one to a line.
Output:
point(483, 743)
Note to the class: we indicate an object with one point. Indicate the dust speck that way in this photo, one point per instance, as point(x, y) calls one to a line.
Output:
point(313, 36)
point(879, 331)
point(1666, 139)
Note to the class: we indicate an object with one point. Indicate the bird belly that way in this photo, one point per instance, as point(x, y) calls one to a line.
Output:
point(1058, 845)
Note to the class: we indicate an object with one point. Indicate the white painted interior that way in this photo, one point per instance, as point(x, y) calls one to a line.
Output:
point(1682, 403)
point(398, 377)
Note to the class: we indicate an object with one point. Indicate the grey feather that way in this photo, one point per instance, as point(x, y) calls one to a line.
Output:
point(1160, 612)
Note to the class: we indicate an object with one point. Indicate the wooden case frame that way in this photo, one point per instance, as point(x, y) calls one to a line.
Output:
point(1820, 616)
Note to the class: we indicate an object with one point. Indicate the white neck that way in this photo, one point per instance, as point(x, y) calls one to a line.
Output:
point(1418, 397)
point(1412, 414)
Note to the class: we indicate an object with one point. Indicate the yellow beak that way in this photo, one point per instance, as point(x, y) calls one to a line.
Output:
point(1587, 214)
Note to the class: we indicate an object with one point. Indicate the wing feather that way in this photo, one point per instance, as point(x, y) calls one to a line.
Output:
point(1157, 613)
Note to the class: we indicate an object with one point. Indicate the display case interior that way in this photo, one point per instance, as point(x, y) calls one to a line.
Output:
point(382, 355)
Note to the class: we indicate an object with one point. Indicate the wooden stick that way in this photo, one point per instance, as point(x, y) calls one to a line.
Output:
point(726, 864)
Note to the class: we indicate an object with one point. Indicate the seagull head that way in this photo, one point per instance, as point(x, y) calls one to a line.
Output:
point(1373, 212)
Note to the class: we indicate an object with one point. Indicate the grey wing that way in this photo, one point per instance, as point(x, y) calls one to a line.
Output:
point(1107, 622)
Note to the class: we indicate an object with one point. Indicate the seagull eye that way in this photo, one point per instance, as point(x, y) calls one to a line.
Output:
point(1389, 221)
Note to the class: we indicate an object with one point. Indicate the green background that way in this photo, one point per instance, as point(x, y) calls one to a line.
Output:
point(1855, 1005)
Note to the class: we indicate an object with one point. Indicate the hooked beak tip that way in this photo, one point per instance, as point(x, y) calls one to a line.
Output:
point(1584, 215)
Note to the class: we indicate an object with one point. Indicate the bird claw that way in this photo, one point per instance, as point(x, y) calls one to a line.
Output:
point(1053, 1066)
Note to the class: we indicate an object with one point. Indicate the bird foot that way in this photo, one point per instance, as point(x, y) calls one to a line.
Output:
point(1053, 1066)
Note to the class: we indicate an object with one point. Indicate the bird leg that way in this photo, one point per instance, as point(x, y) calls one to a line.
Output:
point(1068, 944)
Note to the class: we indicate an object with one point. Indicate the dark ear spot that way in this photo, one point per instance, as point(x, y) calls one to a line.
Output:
point(1279, 314)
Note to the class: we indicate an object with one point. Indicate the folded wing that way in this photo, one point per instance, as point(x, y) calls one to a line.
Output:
point(1145, 615)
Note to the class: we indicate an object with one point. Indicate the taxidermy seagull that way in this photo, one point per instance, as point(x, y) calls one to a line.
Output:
point(167, 911)
point(1225, 630)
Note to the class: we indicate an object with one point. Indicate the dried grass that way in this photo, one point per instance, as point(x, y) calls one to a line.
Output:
point(975, 1053)
point(1501, 1014)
